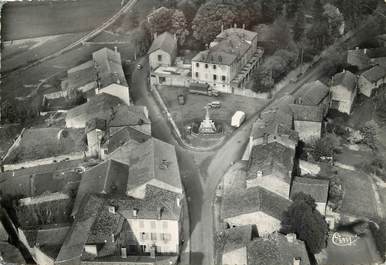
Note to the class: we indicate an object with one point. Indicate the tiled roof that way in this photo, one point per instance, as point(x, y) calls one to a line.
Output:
point(108, 177)
point(312, 93)
point(227, 47)
point(153, 159)
point(127, 136)
point(156, 200)
point(358, 58)
point(271, 157)
point(375, 73)
point(276, 250)
point(164, 42)
point(110, 108)
point(255, 199)
point(307, 113)
point(37, 143)
point(316, 188)
point(233, 238)
point(109, 67)
point(81, 75)
point(345, 79)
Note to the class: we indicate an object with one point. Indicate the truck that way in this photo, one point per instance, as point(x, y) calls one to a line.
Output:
point(181, 99)
point(238, 118)
point(202, 89)
point(214, 104)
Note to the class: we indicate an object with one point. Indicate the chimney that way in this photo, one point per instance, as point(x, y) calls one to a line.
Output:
point(365, 51)
point(135, 212)
point(265, 138)
point(115, 49)
point(356, 48)
point(300, 100)
point(235, 25)
point(222, 27)
point(175, 36)
point(159, 211)
point(123, 253)
point(243, 26)
point(112, 209)
point(291, 237)
point(112, 238)
point(155, 35)
point(259, 174)
point(178, 201)
point(296, 261)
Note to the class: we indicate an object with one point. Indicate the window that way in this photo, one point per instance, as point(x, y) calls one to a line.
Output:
point(143, 248)
point(166, 236)
point(165, 225)
point(152, 224)
point(223, 78)
point(144, 236)
point(153, 236)
point(141, 224)
point(214, 67)
point(214, 77)
point(159, 57)
point(161, 79)
point(197, 74)
point(206, 65)
point(197, 64)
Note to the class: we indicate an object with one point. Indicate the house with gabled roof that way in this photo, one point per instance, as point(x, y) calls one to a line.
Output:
point(152, 162)
point(308, 121)
point(42, 146)
point(314, 94)
point(315, 187)
point(270, 166)
point(108, 177)
point(163, 51)
point(371, 79)
point(238, 247)
point(343, 91)
point(120, 228)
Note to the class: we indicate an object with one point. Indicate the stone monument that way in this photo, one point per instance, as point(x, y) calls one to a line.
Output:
point(207, 125)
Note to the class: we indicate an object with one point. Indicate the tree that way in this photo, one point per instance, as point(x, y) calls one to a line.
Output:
point(299, 25)
point(294, 6)
point(179, 25)
point(325, 146)
point(263, 81)
point(269, 10)
point(306, 222)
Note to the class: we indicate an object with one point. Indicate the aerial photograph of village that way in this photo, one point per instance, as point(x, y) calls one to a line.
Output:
point(193, 132)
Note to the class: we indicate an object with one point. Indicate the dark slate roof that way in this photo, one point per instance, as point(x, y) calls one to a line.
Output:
point(108, 177)
point(240, 32)
point(81, 75)
point(164, 42)
point(276, 250)
point(151, 160)
point(128, 116)
point(316, 188)
point(312, 93)
point(233, 238)
point(271, 157)
point(38, 143)
point(307, 113)
point(375, 73)
point(126, 135)
point(255, 199)
point(345, 79)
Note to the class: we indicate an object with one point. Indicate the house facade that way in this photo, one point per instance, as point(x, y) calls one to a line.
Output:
point(308, 122)
point(343, 91)
point(228, 61)
point(371, 79)
point(163, 51)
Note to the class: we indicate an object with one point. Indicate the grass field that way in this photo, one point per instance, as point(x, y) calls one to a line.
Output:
point(22, 20)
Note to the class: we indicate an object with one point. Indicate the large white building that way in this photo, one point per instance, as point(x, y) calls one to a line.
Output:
point(228, 61)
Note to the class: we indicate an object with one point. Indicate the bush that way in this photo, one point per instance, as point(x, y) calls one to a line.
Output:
point(379, 234)
point(369, 133)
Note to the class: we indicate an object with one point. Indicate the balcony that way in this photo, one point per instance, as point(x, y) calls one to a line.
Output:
point(247, 69)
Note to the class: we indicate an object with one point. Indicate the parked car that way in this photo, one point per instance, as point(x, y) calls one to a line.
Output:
point(215, 104)
point(238, 119)
point(139, 66)
point(203, 89)
point(181, 99)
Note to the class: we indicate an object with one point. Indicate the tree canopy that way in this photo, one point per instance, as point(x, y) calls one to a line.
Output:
point(303, 219)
